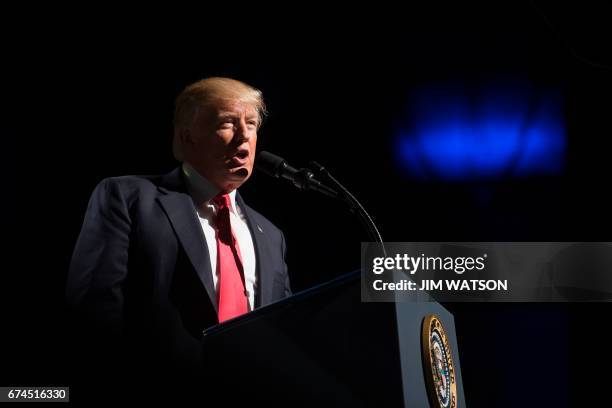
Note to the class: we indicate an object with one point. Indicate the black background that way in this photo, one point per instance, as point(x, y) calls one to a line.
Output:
point(88, 94)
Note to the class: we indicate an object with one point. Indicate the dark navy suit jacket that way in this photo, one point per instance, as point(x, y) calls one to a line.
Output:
point(140, 282)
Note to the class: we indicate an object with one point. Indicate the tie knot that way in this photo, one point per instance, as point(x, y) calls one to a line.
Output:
point(222, 201)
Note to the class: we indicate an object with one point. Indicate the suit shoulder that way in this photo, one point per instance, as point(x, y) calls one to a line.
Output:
point(131, 182)
point(126, 188)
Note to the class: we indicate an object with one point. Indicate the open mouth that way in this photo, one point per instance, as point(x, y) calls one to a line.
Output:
point(241, 154)
point(239, 158)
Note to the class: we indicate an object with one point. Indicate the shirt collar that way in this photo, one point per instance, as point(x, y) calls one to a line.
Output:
point(202, 190)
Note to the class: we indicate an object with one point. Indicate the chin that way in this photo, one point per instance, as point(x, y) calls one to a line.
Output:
point(240, 173)
point(236, 178)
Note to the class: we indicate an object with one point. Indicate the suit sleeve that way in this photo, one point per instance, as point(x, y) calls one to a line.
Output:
point(98, 269)
point(288, 291)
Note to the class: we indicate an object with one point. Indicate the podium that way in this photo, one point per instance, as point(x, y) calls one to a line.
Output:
point(324, 346)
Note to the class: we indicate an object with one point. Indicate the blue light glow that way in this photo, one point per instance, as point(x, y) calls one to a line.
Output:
point(456, 134)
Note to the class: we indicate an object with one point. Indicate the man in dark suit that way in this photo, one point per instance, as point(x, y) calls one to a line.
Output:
point(161, 258)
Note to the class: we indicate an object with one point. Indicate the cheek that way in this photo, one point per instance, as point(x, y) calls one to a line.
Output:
point(222, 138)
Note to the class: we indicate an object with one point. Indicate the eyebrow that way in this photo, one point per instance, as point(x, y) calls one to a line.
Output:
point(226, 115)
point(231, 115)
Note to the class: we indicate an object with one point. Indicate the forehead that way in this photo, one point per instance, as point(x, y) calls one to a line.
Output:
point(231, 107)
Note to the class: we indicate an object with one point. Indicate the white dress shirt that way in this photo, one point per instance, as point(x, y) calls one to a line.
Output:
point(202, 191)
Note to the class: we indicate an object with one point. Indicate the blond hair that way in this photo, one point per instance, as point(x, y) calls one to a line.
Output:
point(202, 93)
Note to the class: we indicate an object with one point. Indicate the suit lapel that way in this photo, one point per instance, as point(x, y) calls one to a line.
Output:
point(181, 212)
point(260, 241)
point(179, 208)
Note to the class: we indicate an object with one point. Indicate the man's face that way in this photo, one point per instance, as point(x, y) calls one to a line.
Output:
point(222, 143)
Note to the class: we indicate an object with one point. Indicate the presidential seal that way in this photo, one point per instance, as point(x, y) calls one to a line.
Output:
point(438, 364)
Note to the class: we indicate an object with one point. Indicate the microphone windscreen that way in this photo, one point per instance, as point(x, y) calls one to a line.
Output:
point(269, 163)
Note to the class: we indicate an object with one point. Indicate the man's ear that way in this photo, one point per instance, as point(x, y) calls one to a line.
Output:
point(186, 137)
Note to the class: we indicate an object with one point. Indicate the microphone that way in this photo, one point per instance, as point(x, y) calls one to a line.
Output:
point(303, 179)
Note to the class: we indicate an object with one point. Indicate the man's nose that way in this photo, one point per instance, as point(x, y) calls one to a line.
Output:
point(242, 131)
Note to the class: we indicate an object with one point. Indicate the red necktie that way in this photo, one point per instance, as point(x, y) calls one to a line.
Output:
point(232, 294)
